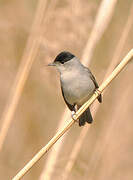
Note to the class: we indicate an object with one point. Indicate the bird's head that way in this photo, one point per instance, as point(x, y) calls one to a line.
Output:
point(63, 61)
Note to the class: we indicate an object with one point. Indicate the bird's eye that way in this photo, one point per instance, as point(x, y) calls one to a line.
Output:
point(62, 62)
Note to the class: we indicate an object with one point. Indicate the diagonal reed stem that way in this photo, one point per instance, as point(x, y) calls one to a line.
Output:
point(45, 149)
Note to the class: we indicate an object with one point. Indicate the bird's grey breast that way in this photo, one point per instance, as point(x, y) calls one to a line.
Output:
point(77, 86)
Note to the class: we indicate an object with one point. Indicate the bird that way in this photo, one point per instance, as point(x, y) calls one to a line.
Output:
point(77, 84)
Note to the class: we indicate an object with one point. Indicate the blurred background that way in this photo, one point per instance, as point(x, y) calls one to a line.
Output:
point(31, 104)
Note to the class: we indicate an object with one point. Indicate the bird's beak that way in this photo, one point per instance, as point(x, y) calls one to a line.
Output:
point(52, 64)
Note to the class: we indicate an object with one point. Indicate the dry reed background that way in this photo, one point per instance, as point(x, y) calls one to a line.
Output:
point(67, 25)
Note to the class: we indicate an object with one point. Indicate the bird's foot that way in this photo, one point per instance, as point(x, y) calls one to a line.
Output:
point(73, 115)
point(98, 92)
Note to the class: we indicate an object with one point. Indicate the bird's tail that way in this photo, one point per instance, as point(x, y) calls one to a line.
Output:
point(85, 117)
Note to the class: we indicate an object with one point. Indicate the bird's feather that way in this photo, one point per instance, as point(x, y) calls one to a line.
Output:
point(85, 117)
point(96, 85)
point(70, 106)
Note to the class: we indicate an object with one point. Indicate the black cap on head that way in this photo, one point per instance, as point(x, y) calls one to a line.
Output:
point(64, 57)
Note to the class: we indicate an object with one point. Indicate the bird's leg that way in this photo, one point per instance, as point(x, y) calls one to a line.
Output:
point(73, 114)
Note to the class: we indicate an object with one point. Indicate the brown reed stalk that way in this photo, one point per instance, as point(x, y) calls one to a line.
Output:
point(52, 158)
point(23, 71)
point(108, 139)
point(50, 162)
point(99, 150)
point(59, 134)
point(101, 22)
point(114, 62)
point(103, 18)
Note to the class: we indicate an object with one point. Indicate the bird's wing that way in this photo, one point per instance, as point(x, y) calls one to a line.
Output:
point(96, 85)
point(70, 106)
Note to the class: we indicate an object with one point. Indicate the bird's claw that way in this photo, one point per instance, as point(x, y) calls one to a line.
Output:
point(74, 116)
point(97, 92)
